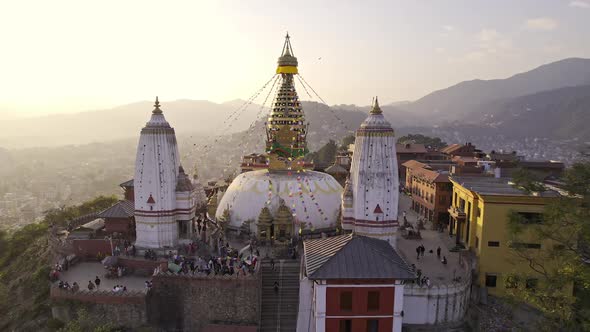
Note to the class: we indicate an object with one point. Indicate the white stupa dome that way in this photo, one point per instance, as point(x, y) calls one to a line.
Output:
point(313, 197)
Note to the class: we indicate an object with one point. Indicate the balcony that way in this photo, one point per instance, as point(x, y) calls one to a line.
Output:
point(457, 212)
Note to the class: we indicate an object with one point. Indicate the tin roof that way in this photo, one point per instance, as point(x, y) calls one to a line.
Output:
point(353, 257)
point(122, 209)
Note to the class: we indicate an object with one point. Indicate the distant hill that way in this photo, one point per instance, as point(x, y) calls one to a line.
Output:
point(186, 116)
point(558, 114)
point(452, 103)
point(474, 102)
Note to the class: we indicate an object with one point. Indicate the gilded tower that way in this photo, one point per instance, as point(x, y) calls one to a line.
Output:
point(286, 129)
point(279, 201)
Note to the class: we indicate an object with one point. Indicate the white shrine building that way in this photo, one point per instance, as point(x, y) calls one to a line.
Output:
point(165, 198)
point(371, 193)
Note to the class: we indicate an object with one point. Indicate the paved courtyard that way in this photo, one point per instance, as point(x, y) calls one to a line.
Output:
point(85, 271)
point(430, 264)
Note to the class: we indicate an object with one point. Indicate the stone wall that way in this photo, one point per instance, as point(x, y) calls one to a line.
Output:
point(141, 266)
point(190, 302)
point(123, 309)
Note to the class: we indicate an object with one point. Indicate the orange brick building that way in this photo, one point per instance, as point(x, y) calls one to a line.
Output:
point(431, 191)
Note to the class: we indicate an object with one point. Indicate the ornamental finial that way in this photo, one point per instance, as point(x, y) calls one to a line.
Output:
point(157, 109)
point(376, 109)
point(287, 61)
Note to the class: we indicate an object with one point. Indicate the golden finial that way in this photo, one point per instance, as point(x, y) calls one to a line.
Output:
point(157, 109)
point(376, 109)
point(287, 61)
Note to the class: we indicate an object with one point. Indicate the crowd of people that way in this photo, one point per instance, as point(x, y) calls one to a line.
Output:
point(74, 287)
point(226, 264)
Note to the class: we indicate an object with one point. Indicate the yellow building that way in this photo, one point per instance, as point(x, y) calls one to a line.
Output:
point(479, 217)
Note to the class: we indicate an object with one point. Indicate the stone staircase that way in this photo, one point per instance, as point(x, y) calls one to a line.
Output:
point(279, 311)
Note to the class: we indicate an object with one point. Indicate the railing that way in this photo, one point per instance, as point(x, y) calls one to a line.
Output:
point(457, 212)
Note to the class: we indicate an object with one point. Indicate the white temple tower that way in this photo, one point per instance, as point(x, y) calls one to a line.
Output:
point(165, 198)
point(371, 194)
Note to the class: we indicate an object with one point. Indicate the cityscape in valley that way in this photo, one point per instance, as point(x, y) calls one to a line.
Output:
point(466, 209)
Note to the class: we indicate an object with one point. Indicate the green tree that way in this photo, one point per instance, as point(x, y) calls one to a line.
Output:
point(85, 323)
point(433, 142)
point(565, 223)
point(346, 141)
point(64, 214)
point(325, 156)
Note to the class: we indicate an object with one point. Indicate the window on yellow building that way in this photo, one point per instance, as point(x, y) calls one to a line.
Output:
point(522, 245)
point(493, 243)
point(530, 218)
point(491, 280)
point(476, 242)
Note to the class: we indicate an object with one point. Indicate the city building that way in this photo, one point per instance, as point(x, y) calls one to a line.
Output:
point(465, 150)
point(479, 218)
point(409, 151)
point(351, 283)
point(287, 197)
point(430, 191)
point(371, 193)
point(253, 162)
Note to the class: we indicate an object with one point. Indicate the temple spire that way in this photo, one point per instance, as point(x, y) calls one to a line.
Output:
point(376, 109)
point(157, 109)
point(287, 61)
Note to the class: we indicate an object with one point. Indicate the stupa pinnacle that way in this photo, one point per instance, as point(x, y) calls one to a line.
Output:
point(286, 129)
point(285, 199)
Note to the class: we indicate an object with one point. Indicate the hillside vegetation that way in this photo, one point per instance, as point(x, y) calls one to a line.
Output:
point(25, 260)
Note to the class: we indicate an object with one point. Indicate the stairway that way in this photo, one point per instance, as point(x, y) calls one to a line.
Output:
point(279, 311)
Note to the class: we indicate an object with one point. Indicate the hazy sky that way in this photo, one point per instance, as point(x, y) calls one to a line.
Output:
point(65, 56)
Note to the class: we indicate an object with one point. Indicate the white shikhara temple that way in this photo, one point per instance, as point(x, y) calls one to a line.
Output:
point(371, 193)
point(165, 198)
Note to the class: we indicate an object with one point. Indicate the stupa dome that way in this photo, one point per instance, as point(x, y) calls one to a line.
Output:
point(313, 198)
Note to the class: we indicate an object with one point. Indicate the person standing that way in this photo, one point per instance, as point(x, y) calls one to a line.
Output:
point(418, 250)
point(438, 252)
point(276, 287)
point(97, 282)
point(272, 264)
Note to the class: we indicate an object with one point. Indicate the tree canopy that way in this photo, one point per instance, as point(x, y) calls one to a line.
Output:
point(433, 142)
point(325, 156)
point(565, 263)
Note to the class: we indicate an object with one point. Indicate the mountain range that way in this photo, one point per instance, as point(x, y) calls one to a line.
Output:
point(457, 101)
point(551, 101)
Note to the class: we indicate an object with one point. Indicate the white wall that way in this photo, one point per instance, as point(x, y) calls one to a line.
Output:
point(436, 304)
point(305, 318)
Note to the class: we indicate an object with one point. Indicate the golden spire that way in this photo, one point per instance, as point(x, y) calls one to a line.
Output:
point(376, 109)
point(286, 129)
point(287, 61)
point(157, 109)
